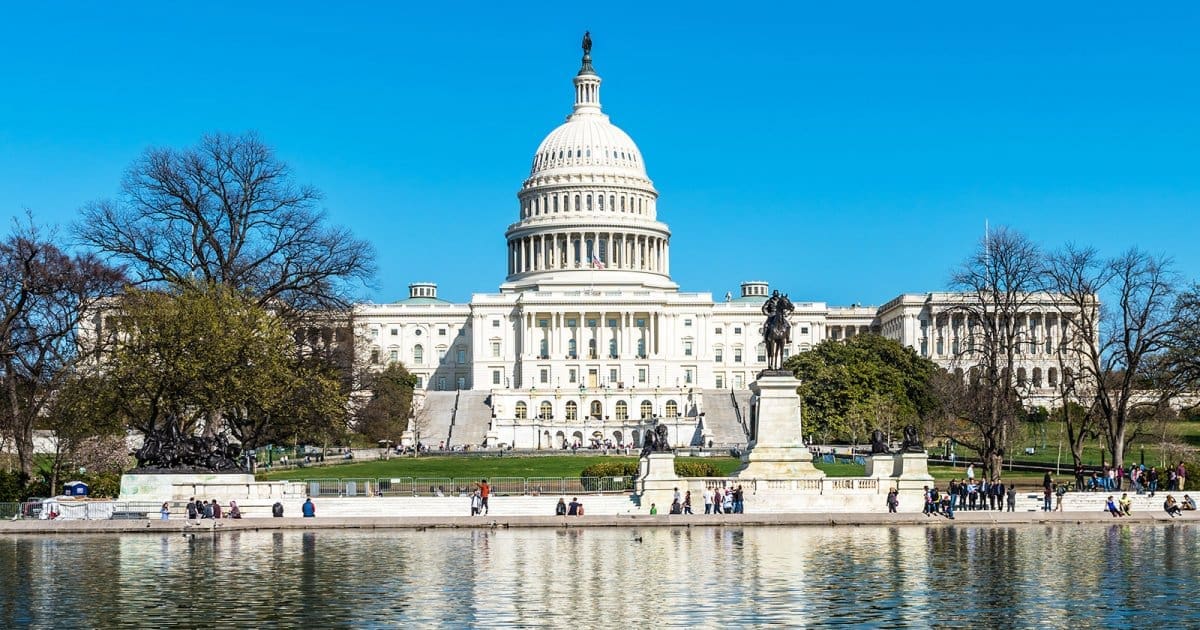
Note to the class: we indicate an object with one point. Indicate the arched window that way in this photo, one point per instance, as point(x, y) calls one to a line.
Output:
point(522, 411)
point(612, 348)
point(545, 411)
point(672, 409)
point(576, 203)
point(612, 202)
point(1037, 377)
point(647, 410)
point(543, 350)
point(1020, 376)
point(1052, 377)
point(418, 354)
point(374, 356)
point(589, 203)
point(597, 410)
point(572, 349)
point(572, 410)
point(622, 203)
point(600, 201)
point(622, 410)
point(641, 348)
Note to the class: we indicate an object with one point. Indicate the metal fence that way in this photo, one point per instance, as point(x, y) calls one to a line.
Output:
point(461, 486)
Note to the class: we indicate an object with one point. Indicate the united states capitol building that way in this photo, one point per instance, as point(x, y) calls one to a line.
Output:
point(589, 340)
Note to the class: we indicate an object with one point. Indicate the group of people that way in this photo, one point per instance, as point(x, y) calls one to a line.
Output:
point(479, 497)
point(724, 500)
point(1172, 506)
point(963, 494)
point(574, 508)
point(1140, 478)
point(203, 509)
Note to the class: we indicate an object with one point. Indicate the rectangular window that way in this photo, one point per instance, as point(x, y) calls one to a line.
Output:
point(762, 354)
point(393, 355)
point(737, 330)
point(738, 381)
point(737, 355)
point(720, 381)
point(441, 332)
point(374, 356)
point(718, 331)
point(495, 323)
point(441, 355)
point(641, 323)
point(718, 355)
point(687, 348)
point(804, 330)
point(543, 323)
point(572, 376)
point(374, 332)
point(495, 348)
point(571, 322)
point(612, 377)
point(591, 323)
point(687, 323)
point(462, 357)
point(544, 376)
point(641, 375)
point(689, 375)
point(495, 377)
point(612, 323)
point(395, 331)
point(420, 382)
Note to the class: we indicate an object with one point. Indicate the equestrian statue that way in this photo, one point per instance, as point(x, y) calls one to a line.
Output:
point(777, 331)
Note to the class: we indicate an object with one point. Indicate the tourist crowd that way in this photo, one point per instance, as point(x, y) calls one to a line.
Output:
point(203, 510)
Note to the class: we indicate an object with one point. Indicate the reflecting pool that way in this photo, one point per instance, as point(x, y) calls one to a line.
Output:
point(1023, 576)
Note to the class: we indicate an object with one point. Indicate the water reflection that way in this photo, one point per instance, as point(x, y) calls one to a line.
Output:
point(1026, 576)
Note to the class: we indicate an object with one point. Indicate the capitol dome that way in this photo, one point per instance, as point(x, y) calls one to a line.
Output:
point(588, 205)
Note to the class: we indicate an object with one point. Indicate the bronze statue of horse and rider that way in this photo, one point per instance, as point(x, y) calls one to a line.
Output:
point(777, 331)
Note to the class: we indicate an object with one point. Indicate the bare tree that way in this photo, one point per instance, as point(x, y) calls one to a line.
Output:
point(228, 212)
point(999, 282)
point(45, 293)
point(1183, 358)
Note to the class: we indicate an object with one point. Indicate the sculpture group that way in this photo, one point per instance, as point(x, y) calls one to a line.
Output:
point(911, 444)
point(168, 449)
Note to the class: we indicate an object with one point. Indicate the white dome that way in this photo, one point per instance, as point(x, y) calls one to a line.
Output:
point(588, 141)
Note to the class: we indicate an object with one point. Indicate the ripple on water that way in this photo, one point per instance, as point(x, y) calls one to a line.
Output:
point(1024, 576)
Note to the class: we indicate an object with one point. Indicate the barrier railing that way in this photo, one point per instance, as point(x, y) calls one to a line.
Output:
point(462, 486)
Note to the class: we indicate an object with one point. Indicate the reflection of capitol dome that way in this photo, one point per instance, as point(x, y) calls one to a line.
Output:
point(588, 205)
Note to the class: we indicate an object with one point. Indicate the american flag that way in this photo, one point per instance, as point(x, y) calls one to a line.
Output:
point(596, 262)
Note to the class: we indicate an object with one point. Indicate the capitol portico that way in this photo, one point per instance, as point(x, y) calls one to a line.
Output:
point(588, 338)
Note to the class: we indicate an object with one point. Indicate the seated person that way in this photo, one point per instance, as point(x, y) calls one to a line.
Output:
point(561, 508)
point(1171, 506)
point(1188, 503)
point(1126, 504)
point(1112, 507)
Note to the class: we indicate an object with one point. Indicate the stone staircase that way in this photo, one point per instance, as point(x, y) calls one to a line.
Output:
point(472, 419)
point(721, 419)
point(438, 413)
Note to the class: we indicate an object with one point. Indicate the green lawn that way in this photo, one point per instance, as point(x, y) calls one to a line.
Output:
point(489, 467)
point(1045, 440)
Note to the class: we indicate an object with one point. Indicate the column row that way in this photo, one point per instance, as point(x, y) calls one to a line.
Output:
point(579, 250)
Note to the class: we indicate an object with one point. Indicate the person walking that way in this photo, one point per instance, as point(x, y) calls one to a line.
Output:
point(1180, 476)
point(687, 502)
point(484, 492)
point(893, 501)
point(708, 501)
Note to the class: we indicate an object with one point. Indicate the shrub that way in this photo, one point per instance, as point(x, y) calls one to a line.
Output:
point(611, 469)
point(686, 468)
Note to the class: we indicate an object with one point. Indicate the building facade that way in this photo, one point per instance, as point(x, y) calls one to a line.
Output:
point(588, 338)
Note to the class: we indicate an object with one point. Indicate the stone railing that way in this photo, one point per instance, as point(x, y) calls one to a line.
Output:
point(827, 485)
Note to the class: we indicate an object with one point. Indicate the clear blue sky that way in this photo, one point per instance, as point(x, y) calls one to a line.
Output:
point(880, 135)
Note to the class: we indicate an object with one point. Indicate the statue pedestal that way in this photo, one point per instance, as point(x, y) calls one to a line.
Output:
point(911, 466)
point(881, 465)
point(176, 486)
point(778, 450)
point(657, 481)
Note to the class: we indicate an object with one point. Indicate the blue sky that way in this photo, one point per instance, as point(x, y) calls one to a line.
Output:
point(879, 136)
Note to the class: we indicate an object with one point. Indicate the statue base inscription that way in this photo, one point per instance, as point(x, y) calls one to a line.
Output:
point(778, 450)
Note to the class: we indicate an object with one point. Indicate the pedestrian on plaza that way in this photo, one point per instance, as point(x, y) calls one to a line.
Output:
point(708, 500)
point(476, 503)
point(893, 501)
point(687, 502)
point(653, 509)
point(970, 473)
point(1046, 491)
point(739, 500)
point(1126, 505)
point(165, 512)
point(484, 492)
point(1181, 476)
point(561, 508)
point(925, 497)
point(727, 501)
point(1012, 497)
point(192, 512)
point(716, 501)
point(1079, 485)
point(1059, 491)
point(308, 509)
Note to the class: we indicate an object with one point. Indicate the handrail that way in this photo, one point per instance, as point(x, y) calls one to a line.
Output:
point(737, 411)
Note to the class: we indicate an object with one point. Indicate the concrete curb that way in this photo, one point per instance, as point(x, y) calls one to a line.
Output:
point(630, 520)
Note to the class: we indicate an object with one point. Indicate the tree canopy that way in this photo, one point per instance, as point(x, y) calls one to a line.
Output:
point(866, 382)
point(386, 414)
point(207, 357)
